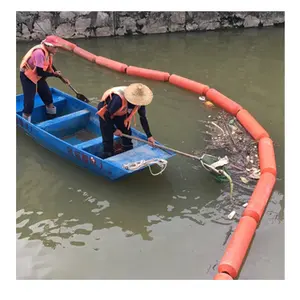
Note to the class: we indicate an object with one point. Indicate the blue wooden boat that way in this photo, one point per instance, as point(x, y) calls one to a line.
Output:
point(75, 135)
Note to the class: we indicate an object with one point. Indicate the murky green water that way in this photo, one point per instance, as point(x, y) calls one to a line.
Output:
point(72, 224)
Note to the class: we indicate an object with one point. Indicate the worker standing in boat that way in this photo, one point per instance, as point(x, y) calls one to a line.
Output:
point(116, 109)
point(35, 68)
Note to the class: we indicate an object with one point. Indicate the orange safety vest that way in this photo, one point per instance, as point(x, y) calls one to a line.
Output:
point(31, 73)
point(107, 96)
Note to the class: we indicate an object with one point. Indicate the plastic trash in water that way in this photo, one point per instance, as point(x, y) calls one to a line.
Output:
point(231, 215)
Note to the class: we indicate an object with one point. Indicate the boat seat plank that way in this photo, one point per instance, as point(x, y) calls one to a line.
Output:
point(89, 143)
point(63, 120)
point(95, 141)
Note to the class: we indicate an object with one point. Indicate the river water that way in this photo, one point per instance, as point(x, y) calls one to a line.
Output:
point(74, 225)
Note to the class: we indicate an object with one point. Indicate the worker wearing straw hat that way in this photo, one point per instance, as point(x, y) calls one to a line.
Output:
point(116, 109)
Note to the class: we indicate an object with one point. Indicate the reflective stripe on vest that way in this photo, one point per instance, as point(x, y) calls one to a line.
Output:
point(31, 73)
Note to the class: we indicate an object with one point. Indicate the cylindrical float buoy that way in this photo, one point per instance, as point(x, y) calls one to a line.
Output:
point(237, 248)
point(223, 101)
point(251, 125)
point(147, 73)
point(66, 45)
point(111, 64)
point(260, 197)
point(85, 54)
point(266, 156)
point(223, 276)
point(188, 84)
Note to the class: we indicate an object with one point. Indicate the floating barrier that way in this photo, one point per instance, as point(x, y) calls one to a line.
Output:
point(238, 245)
point(251, 125)
point(111, 64)
point(260, 197)
point(223, 101)
point(223, 276)
point(266, 156)
point(237, 248)
point(66, 45)
point(188, 84)
point(147, 73)
point(85, 54)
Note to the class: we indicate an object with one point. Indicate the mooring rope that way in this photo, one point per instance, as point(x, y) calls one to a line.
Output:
point(134, 166)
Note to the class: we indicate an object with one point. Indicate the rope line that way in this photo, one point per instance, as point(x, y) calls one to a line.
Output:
point(134, 166)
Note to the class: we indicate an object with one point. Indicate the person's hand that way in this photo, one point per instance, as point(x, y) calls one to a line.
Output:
point(151, 140)
point(57, 73)
point(65, 80)
point(118, 132)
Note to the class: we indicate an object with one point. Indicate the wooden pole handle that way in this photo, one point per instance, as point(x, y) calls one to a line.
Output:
point(162, 147)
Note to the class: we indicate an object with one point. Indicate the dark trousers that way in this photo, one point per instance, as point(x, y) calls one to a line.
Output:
point(29, 90)
point(108, 129)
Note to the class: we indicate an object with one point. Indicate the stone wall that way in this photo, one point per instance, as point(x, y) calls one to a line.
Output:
point(34, 25)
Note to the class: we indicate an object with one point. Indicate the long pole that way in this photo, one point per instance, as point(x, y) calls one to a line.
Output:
point(162, 147)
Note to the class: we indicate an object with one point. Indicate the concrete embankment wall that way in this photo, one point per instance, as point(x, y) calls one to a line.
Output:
point(34, 25)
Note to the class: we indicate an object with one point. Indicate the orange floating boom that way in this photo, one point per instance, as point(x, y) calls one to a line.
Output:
point(147, 73)
point(237, 247)
point(251, 125)
point(188, 84)
point(260, 197)
point(266, 156)
point(111, 64)
point(85, 54)
point(222, 276)
point(66, 45)
point(223, 101)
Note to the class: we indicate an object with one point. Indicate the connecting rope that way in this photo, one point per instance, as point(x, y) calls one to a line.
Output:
point(134, 166)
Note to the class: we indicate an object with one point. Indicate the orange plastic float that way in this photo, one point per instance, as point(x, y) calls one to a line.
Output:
point(223, 101)
point(111, 64)
point(266, 156)
point(188, 84)
point(65, 44)
point(251, 125)
point(147, 73)
point(85, 54)
point(223, 276)
point(237, 247)
point(260, 197)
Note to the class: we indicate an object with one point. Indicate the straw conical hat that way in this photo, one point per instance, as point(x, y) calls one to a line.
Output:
point(138, 94)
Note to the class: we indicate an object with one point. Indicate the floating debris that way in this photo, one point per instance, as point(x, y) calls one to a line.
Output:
point(226, 136)
point(243, 179)
point(231, 215)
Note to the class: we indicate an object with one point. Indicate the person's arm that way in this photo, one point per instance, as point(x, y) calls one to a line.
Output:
point(43, 73)
point(144, 121)
point(38, 57)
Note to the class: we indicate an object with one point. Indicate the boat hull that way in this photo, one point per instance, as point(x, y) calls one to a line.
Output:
point(75, 135)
